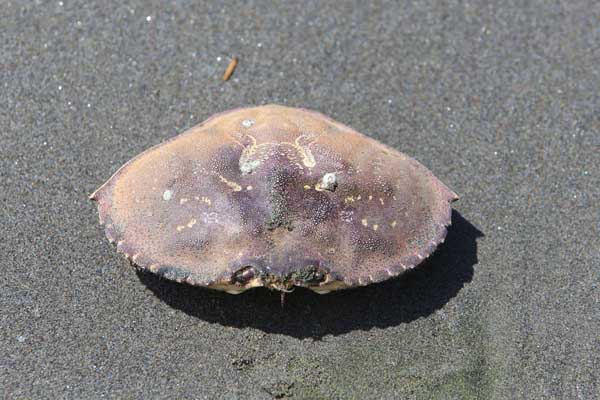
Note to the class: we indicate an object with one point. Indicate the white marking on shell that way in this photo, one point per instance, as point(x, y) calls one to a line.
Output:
point(389, 272)
point(346, 215)
point(248, 166)
point(303, 148)
point(247, 123)
point(233, 185)
point(210, 218)
point(135, 256)
point(120, 242)
point(167, 195)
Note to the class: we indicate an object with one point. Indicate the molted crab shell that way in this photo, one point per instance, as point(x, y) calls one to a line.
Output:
point(277, 197)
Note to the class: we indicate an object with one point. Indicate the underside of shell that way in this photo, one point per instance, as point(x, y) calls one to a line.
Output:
point(277, 197)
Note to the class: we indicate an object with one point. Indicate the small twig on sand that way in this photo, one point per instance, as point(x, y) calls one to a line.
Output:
point(230, 69)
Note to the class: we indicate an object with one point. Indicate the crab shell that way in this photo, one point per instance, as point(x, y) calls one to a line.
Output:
point(277, 197)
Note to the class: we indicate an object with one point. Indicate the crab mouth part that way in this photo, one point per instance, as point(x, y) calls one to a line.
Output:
point(311, 277)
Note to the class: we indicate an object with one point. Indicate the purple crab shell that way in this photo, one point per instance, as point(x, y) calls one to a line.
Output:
point(278, 197)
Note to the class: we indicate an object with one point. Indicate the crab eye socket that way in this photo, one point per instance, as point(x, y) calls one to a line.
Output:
point(244, 275)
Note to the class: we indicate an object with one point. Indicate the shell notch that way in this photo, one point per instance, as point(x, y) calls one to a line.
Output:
point(275, 197)
point(248, 277)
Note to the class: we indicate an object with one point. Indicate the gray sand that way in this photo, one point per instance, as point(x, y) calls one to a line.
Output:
point(501, 102)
